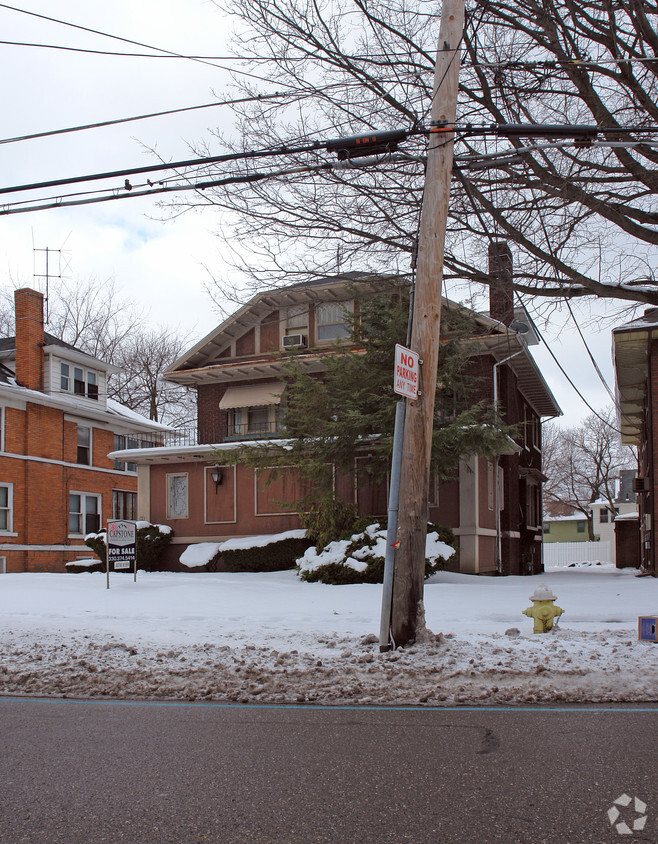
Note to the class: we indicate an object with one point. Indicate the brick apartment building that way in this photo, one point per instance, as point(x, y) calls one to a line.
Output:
point(57, 427)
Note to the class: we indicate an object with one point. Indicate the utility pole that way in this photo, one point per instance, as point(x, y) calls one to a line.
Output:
point(407, 610)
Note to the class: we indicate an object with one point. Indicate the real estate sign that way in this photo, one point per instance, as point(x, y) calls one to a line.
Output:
point(121, 544)
point(405, 380)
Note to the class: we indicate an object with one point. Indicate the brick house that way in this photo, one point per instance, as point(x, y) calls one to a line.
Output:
point(635, 354)
point(57, 427)
point(494, 506)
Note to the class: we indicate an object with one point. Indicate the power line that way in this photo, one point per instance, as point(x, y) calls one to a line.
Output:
point(176, 165)
point(132, 192)
point(99, 32)
point(489, 236)
point(116, 122)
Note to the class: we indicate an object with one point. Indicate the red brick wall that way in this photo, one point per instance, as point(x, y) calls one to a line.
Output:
point(246, 345)
point(269, 333)
point(41, 489)
point(212, 423)
point(29, 338)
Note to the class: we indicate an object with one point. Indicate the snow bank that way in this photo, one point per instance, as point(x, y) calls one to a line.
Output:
point(274, 638)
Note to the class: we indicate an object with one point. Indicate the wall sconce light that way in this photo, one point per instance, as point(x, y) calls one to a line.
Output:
point(217, 477)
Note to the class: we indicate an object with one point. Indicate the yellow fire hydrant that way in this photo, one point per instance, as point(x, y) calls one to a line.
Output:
point(543, 609)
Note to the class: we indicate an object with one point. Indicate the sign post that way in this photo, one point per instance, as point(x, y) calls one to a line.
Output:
point(121, 546)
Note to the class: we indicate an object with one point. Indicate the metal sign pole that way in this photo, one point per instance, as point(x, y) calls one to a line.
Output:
point(107, 560)
point(391, 533)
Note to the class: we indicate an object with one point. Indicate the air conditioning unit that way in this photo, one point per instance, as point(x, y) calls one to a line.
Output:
point(640, 485)
point(293, 341)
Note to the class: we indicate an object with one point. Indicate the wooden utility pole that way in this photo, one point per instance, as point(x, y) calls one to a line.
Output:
point(417, 443)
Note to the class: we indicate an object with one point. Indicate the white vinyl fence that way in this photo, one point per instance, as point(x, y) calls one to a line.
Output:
point(563, 553)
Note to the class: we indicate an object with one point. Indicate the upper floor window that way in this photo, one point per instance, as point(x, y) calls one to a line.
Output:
point(244, 421)
point(121, 442)
point(84, 445)
point(296, 319)
point(77, 380)
point(332, 320)
point(6, 507)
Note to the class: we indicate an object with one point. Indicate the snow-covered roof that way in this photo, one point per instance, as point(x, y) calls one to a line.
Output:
point(82, 407)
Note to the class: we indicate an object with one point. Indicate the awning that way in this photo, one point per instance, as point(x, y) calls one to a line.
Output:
point(252, 395)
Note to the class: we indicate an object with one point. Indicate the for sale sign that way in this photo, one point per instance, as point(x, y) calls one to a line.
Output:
point(405, 382)
point(121, 544)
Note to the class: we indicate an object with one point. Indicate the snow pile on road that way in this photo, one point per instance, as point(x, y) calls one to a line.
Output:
point(273, 638)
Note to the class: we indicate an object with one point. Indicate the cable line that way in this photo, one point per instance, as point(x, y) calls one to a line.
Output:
point(104, 123)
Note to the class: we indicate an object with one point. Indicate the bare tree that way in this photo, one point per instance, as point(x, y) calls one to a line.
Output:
point(583, 463)
point(345, 66)
point(94, 318)
point(144, 357)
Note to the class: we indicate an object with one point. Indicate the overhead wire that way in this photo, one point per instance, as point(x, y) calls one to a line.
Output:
point(146, 116)
point(487, 233)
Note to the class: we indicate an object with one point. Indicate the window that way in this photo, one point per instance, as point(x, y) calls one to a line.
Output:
point(3, 565)
point(332, 320)
point(490, 485)
point(124, 504)
point(296, 319)
point(80, 381)
point(604, 516)
point(580, 526)
point(532, 506)
point(84, 513)
point(243, 421)
point(6, 508)
point(177, 496)
point(121, 442)
point(84, 445)
point(547, 527)
point(92, 386)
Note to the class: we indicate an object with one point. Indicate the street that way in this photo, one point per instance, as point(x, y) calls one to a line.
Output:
point(77, 772)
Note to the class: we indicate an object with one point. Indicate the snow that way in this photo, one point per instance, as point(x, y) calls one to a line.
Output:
point(335, 552)
point(274, 638)
point(87, 562)
point(244, 542)
point(199, 554)
point(203, 552)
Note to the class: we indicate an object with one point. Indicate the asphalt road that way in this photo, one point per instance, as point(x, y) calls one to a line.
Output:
point(83, 772)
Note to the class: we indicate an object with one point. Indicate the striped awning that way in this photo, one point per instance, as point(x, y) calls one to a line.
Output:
point(252, 395)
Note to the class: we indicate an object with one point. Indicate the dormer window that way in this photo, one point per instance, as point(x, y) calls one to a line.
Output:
point(296, 319)
point(78, 380)
point(332, 319)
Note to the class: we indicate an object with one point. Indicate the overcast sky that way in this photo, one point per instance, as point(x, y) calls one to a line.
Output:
point(161, 265)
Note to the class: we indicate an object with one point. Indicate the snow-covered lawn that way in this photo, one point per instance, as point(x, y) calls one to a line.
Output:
point(273, 638)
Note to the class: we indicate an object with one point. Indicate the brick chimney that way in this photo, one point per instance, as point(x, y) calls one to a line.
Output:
point(501, 293)
point(29, 338)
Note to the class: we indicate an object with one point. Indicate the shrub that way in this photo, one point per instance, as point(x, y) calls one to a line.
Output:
point(361, 558)
point(151, 542)
point(331, 519)
point(276, 556)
